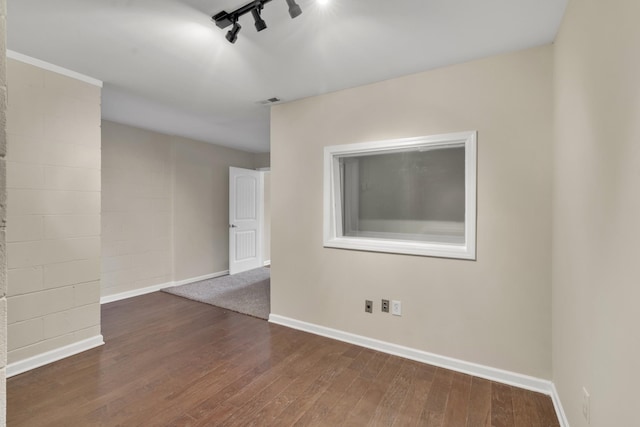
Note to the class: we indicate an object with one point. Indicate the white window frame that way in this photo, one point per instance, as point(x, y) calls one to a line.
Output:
point(332, 224)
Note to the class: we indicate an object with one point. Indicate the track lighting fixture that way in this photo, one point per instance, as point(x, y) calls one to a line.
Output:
point(224, 19)
point(260, 24)
point(294, 8)
point(232, 35)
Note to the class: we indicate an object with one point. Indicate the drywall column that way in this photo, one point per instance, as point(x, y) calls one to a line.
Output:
point(596, 207)
point(3, 213)
point(53, 216)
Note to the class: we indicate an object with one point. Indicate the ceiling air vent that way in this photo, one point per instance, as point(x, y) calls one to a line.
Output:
point(269, 101)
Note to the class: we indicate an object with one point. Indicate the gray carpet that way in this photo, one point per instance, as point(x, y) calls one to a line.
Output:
point(247, 292)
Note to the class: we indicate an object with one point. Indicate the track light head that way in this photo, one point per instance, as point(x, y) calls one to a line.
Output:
point(294, 8)
point(260, 24)
point(232, 35)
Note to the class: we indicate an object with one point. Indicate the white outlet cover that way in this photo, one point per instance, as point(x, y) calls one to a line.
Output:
point(396, 308)
point(586, 405)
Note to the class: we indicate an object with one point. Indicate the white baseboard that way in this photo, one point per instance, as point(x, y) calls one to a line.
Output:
point(75, 348)
point(155, 288)
point(557, 404)
point(487, 372)
point(197, 279)
point(53, 355)
point(134, 293)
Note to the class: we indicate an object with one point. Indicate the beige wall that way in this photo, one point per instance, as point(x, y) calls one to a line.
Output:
point(3, 214)
point(596, 209)
point(53, 225)
point(165, 214)
point(201, 206)
point(261, 160)
point(494, 311)
point(137, 239)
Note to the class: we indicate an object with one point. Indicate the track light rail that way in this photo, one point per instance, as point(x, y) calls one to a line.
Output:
point(224, 19)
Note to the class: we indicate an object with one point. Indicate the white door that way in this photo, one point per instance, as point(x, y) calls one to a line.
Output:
point(246, 203)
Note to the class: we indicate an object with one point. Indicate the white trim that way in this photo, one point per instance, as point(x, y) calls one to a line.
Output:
point(335, 237)
point(267, 262)
point(134, 293)
point(494, 374)
point(53, 355)
point(51, 67)
point(155, 288)
point(557, 404)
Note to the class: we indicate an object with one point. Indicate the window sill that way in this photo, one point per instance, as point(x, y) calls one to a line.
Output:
point(456, 251)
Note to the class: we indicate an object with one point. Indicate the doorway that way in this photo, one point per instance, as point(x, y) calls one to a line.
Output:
point(249, 218)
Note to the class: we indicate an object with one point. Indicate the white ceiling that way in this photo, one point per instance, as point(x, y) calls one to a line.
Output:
point(167, 67)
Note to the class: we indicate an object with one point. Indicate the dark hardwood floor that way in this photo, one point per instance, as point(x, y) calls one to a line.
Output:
point(169, 361)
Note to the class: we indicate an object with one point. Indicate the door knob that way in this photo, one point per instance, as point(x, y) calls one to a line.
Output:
point(232, 226)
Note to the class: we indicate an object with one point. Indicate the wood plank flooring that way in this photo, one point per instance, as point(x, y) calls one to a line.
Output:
point(169, 361)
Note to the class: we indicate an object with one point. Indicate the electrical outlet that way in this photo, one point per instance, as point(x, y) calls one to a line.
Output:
point(586, 405)
point(368, 306)
point(396, 308)
point(385, 306)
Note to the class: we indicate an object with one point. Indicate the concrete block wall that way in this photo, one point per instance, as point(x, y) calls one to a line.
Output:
point(137, 240)
point(53, 221)
point(164, 208)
